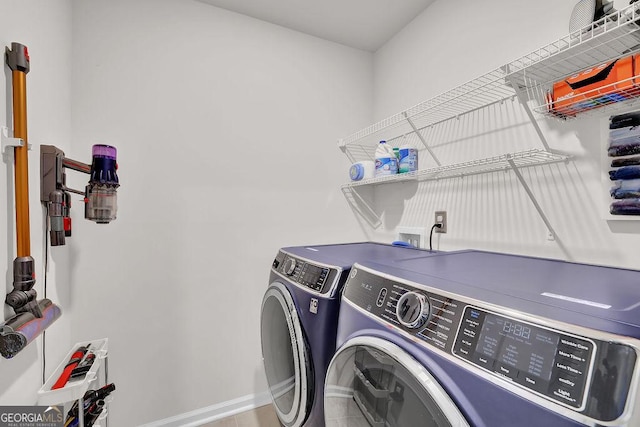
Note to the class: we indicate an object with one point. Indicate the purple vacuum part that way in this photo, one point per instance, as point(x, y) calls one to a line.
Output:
point(103, 166)
point(20, 330)
point(104, 151)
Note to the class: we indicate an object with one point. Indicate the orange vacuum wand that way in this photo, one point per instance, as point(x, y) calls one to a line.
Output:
point(32, 316)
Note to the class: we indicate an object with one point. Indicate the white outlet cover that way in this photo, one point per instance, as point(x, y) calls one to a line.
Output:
point(417, 231)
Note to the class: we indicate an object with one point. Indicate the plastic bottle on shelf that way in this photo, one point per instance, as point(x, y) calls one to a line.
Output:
point(386, 160)
point(408, 160)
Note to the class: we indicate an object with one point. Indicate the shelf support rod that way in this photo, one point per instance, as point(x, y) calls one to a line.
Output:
point(523, 101)
point(357, 203)
point(343, 147)
point(415, 129)
point(552, 232)
point(531, 197)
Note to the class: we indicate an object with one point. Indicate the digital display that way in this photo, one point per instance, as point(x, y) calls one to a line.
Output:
point(311, 273)
point(313, 276)
point(521, 346)
point(516, 329)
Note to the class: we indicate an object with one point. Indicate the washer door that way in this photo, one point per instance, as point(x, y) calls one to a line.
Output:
point(287, 364)
point(372, 382)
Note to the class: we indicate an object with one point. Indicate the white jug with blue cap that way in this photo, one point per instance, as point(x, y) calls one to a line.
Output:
point(386, 160)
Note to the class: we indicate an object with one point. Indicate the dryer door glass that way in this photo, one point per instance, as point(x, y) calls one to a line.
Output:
point(374, 383)
point(285, 356)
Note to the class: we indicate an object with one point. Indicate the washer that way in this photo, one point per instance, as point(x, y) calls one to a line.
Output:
point(299, 319)
point(486, 339)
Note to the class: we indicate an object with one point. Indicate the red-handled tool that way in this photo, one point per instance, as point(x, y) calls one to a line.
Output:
point(74, 361)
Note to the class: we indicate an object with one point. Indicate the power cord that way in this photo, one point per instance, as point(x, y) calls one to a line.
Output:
point(45, 274)
point(436, 225)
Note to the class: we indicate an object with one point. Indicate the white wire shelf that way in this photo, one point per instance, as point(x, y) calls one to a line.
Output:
point(504, 162)
point(610, 38)
point(478, 93)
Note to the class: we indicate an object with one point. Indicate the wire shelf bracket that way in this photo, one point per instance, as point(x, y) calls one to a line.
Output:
point(552, 232)
point(361, 207)
point(522, 97)
point(421, 137)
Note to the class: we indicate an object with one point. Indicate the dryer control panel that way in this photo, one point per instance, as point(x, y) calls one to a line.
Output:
point(319, 278)
point(584, 374)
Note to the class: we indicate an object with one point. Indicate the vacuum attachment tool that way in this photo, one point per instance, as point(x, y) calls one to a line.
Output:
point(17, 332)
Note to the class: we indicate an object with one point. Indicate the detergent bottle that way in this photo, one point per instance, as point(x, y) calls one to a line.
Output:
point(386, 160)
point(408, 160)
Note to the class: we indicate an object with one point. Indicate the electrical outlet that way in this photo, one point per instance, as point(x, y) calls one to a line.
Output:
point(441, 218)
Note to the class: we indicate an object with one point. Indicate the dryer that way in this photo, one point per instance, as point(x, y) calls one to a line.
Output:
point(487, 340)
point(299, 319)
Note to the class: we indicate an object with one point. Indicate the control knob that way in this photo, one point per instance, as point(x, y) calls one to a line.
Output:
point(413, 309)
point(289, 266)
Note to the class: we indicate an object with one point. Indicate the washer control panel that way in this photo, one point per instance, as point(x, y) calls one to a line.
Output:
point(543, 360)
point(307, 274)
point(430, 317)
point(568, 369)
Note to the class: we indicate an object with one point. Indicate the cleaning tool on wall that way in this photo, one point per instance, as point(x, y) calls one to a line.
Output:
point(100, 196)
point(32, 316)
point(83, 367)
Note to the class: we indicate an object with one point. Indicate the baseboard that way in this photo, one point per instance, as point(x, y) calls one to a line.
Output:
point(214, 412)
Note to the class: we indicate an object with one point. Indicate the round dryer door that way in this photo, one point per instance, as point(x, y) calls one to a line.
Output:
point(373, 382)
point(285, 356)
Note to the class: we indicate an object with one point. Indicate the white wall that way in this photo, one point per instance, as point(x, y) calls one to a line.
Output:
point(45, 28)
point(450, 43)
point(226, 131)
point(455, 41)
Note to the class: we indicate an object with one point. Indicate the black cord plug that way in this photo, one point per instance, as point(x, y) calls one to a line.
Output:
point(436, 225)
